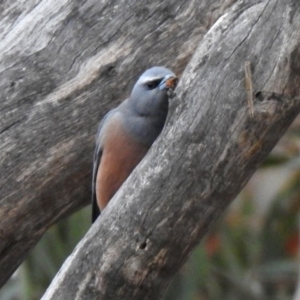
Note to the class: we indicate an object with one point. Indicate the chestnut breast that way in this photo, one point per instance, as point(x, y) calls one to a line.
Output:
point(120, 155)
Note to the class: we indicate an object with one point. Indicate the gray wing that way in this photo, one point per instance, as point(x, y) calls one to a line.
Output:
point(96, 162)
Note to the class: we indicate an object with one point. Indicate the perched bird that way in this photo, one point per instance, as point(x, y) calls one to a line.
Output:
point(127, 132)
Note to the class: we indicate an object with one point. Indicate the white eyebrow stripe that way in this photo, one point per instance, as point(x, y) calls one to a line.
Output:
point(144, 79)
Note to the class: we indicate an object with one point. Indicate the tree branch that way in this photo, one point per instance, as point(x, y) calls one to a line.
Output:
point(209, 149)
point(63, 64)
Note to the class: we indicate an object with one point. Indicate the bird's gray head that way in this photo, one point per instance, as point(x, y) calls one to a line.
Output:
point(147, 107)
point(150, 94)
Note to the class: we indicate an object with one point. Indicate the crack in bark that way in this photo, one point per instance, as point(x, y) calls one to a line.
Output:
point(7, 128)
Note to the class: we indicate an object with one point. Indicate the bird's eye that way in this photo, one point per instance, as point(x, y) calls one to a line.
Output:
point(153, 84)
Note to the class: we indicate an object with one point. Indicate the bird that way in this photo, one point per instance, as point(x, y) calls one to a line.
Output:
point(127, 132)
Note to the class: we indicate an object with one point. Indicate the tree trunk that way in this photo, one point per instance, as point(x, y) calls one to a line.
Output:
point(210, 147)
point(63, 64)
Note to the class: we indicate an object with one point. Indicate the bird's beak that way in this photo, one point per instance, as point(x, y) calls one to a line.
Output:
point(169, 82)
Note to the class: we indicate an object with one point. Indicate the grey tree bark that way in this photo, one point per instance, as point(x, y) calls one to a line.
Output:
point(208, 150)
point(63, 64)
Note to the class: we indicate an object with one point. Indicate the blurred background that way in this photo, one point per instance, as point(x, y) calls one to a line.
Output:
point(251, 253)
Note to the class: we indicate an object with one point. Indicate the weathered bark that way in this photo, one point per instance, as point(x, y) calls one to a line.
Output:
point(207, 152)
point(63, 64)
